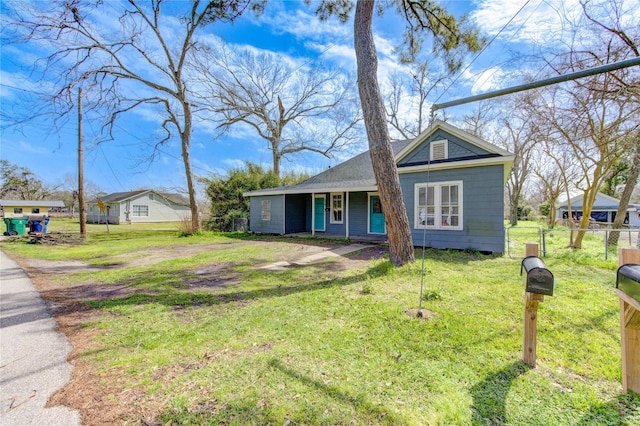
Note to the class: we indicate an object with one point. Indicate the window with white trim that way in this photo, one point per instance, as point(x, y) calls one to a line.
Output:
point(266, 210)
point(140, 210)
point(439, 150)
point(438, 205)
point(336, 207)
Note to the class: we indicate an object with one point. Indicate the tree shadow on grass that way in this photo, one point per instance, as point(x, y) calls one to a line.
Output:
point(376, 413)
point(489, 395)
point(183, 298)
point(623, 410)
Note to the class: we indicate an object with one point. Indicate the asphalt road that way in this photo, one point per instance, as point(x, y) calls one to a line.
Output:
point(33, 355)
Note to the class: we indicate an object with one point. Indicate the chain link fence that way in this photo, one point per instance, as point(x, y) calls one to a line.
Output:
point(554, 241)
point(226, 224)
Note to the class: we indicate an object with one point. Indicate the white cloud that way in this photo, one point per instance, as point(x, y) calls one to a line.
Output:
point(304, 25)
point(233, 163)
point(537, 22)
point(489, 79)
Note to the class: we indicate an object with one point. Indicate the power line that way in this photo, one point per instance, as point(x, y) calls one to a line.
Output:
point(483, 49)
point(22, 89)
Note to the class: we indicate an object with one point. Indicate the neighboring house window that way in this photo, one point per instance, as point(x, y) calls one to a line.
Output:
point(266, 210)
point(17, 210)
point(140, 211)
point(438, 205)
point(336, 208)
point(34, 211)
point(439, 150)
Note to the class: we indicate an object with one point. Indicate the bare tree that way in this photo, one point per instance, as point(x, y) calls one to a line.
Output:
point(550, 185)
point(590, 126)
point(482, 121)
point(133, 54)
point(293, 108)
point(632, 181)
point(406, 100)
point(625, 39)
point(517, 136)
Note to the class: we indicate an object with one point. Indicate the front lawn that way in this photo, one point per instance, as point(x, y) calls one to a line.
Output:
point(170, 334)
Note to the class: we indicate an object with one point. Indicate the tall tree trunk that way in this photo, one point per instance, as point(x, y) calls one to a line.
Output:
point(632, 180)
point(185, 137)
point(551, 220)
point(513, 214)
point(276, 163)
point(384, 166)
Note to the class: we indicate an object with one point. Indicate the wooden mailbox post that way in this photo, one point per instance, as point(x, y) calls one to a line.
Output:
point(539, 281)
point(629, 327)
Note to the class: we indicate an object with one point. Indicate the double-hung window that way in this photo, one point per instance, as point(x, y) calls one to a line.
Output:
point(336, 208)
point(140, 210)
point(438, 205)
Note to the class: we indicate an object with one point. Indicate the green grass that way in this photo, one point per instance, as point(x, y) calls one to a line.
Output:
point(318, 345)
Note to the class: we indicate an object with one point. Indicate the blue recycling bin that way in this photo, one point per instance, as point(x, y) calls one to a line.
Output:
point(38, 224)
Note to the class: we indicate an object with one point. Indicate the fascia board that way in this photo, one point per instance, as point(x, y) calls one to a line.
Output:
point(318, 190)
point(507, 161)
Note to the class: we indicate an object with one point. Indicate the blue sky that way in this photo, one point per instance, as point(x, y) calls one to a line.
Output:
point(290, 29)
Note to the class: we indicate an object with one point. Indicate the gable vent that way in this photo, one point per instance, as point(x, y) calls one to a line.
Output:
point(439, 150)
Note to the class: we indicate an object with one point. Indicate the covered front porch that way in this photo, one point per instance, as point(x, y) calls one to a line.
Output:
point(356, 216)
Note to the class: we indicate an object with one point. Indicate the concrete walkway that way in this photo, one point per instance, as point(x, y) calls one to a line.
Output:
point(340, 251)
point(33, 355)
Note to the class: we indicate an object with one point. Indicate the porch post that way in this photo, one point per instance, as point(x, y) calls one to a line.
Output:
point(313, 214)
point(284, 214)
point(346, 215)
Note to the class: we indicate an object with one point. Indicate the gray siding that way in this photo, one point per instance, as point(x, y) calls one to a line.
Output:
point(159, 209)
point(483, 212)
point(358, 211)
point(457, 147)
point(273, 226)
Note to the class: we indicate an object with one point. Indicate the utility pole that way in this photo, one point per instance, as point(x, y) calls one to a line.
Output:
point(81, 205)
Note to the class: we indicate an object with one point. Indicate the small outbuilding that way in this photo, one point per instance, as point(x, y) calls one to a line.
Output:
point(604, 210)
point(25, 208)
point(142, 206)
point(452, 184)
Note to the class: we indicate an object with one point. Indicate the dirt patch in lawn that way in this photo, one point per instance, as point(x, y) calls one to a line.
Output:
point(103, 397)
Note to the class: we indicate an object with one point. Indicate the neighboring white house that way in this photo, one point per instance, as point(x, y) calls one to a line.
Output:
point(142, 206)
point(23, 208)
point(604, 210)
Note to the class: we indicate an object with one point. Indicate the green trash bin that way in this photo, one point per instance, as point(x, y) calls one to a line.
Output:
point(15, 225)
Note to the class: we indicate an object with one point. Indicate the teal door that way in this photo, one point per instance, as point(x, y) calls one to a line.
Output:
point(376, 217)
point(319, 214)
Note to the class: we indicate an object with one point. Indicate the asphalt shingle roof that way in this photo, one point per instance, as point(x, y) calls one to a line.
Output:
point(356, 172)
point(117, 197)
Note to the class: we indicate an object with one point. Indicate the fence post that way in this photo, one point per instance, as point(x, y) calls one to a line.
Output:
point(606, 244)
point(544, 243)
point(629, 327)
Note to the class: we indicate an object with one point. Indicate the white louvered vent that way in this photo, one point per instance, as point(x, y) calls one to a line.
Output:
point(439, 150)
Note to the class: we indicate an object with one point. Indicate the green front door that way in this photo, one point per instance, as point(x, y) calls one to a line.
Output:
point(376, 217)
point(319, 214)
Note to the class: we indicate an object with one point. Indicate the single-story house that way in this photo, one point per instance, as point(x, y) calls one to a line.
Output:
point(143, 206)
point(452, 184)
point(25, 208)
point(604, 210)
